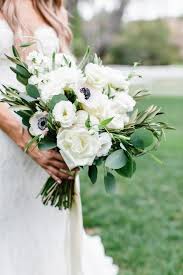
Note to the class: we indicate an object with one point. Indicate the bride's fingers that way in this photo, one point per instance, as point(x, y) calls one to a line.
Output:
point(58, 174)
point(57, 156)
point(58, 164)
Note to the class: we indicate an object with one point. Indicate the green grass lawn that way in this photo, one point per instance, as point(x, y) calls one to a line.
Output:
point(142, 225)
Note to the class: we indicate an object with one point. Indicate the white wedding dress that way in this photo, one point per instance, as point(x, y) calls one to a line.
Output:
point(34, 239)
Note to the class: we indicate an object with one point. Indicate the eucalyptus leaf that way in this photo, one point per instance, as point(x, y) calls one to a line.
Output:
point(93, 173)
point(47, 143)
point(129, 169)
point(142, 138)
point(32, 91)
point(116, 160)
point(110, 182)
point(55, 99)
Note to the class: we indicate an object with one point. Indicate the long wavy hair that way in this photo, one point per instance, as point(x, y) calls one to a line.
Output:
point(52, 11)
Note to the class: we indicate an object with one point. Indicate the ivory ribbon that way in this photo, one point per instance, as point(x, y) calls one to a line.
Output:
point(74, 234)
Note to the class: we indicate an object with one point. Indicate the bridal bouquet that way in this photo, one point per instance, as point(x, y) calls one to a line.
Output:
point(86, 112)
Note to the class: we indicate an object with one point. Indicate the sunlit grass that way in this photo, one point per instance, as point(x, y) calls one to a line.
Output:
point(142, 225)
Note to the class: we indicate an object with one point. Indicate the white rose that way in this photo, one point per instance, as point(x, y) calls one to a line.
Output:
point(81, 118)
point(95, 76)
point(105, 144)
point(65, 113)
point(77, 146)
point(38, 124)
point(119, 121)
point(116, 79)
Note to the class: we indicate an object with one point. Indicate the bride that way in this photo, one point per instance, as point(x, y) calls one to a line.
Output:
point(33, 238)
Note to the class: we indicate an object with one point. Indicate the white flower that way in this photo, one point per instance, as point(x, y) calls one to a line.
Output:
point(65, 113)
point(38, 124)
point(119, 121)
point(77, 146)
point(122, 103)
point(116, 79)
point(35, 57)
point(35, 80)
point(94, 103)
point(60, 79)
point(105, 144)
point(81, 118)
point(95, 76)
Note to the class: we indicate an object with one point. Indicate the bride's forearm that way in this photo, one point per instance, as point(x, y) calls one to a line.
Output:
point(12, 127)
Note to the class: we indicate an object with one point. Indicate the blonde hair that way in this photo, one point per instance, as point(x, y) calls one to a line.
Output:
point(52, 11)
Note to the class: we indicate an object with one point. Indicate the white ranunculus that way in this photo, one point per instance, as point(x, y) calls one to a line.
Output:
point(122, 103)
point(95, 76)
point(64, 112)
point(49, 89)
point(77, 146)
point(38, 124)
point(81, 118)
point(119, 121)
point(116, 79)
point(56, 81)
point(105, 144)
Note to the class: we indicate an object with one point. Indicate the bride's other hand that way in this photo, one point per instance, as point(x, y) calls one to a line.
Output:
point(53, 163)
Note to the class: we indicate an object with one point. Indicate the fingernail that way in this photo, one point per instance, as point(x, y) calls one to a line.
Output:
point(59, 181)
point(70, 178)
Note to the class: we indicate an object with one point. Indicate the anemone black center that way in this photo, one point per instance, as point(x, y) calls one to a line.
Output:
point(42, 123)
point(86, 92)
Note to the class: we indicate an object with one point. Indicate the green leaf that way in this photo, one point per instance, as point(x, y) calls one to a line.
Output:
point(129, 169)
point(88, 122)
point(31, 142)
point(110, 182)
point(93, 173)
point(14, 60)
point(22, 80)
point(105, 122)
point(142, 138)
point(28, 44)
point(55, 99)
point(85, 58)
point(21, 70)
point(32, 91)
point(25, 115)
point(15, 52)
point(116, 160)
point(47, 143)
point(71, 96)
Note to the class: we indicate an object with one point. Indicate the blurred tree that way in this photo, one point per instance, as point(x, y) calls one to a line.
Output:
point(101, 30)
point(145, 41)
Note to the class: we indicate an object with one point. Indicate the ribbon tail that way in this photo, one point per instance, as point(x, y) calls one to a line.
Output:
point(74, 239)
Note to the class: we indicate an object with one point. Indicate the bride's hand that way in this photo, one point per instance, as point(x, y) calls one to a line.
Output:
point(53, 163)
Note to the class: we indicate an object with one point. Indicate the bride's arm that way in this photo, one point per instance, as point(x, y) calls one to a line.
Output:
point(50, 160)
